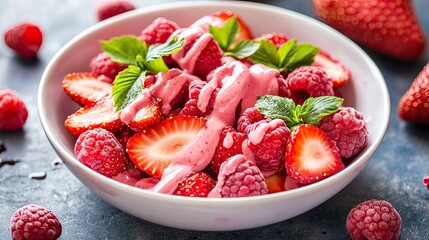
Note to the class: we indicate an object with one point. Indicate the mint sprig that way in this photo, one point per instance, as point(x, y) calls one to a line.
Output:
point(226, 36)
point(287, 57)
point(141, 60)
point(311, 111)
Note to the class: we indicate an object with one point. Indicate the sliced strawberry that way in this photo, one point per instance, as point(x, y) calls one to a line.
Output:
point(209, 59)
point(243, 29)
point(100, 115)
point(340, 75)
point(146, 117)
point(195, 185)
point(311, 155)
point(276, 182)
point(276, 38)
point(229, 145)
point(152, 150)
point(85, 88)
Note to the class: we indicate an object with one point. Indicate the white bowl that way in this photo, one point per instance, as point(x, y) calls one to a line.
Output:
point(366, 88)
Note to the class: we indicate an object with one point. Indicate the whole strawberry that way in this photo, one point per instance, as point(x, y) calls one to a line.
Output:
point(195, 185)
point(33, 222)
point(414, 105)
point(25, 39)
point(112, 8)
point(101, 151)
point(374, 219)
point(389, 27)
point(13, 112)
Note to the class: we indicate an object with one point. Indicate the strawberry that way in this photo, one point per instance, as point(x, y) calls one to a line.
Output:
point(85, 88)
point(414, 105)
point(339, 74)
point(25, 39)
point(100, 115)
point(243, 30)
point(229, 145)
point(311, 155)
point(195, 185)
point(152, 150)
point(389, 27)
point(146, 117)
point(276, 38)
point(276, 182)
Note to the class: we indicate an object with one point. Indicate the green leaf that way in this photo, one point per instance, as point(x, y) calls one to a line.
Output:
point(266, 55)
point(276, 107)
point(124, 49)
point(303, 56)
point(156, 66)
point(226, 34)
point(285, 51)
point(315, 109)
point(159, 50)
point(243, 49)
point(128, 84)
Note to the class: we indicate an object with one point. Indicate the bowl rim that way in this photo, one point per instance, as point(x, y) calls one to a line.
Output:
point(362, 159)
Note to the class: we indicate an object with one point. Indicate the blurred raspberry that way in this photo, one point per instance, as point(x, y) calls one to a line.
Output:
point(158, 31)
point(99, 150)
point(348, 130)
point(25, 39)
point(112, 8)
point(13, 112)
point(309, 81)
point(33, 222)
point(374, 219)
point(102, 65)
point(239, 177)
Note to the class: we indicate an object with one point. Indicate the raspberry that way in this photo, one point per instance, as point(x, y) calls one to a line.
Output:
point(267, 140)
point(129, 177)
point(195, 185)
point(99, 150)
point(158, 31)
point(102, 65)
point(374, 219)
point(348, 130)
point(250, 116)
point(239, 177)
point(112, 8)
point(25, 39)
point(309, 81)
point(276, 38)
point(13, 112)
point(33, 222)
point(426, 182)
point(191, 106)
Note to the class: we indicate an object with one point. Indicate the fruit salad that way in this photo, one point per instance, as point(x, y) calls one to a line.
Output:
point(210, 110)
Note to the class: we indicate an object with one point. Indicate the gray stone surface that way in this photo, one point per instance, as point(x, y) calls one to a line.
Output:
point(394, 173)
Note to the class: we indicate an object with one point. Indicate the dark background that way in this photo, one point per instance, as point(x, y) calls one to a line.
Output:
point(394, 173)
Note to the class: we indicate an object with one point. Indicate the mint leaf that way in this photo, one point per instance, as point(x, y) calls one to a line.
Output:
point(128, 84)
point(160, 50)
point(315, 109)
point(124, 49)
point(285, 52)
point(243, 49)
point(226, 34)
point(304, 56)
point(276, 107)
point(156, 66)
point(266, 55)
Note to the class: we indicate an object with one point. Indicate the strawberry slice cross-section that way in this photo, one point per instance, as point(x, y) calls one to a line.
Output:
point(152, 150)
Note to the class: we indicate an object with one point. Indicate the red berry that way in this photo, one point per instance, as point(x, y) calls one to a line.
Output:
point(102, 64)
point(33, 222)
point(374, 219)
point(249, 117)
point(158, 31)
point(348, 129)
point(426, 181)
point(191, 106)
point(130, 177)
point(101, 151)
point(339, 74)
point(229, 145)
point(13, 112)
point(148, 116)
point(25, 39)
point(309, 81)
point(239, 177)
point(112, 8)
point(195, 185)
point(276, 38)
point(276, 182)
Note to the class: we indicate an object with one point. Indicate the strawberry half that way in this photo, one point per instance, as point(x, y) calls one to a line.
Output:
point(195, 185)
point(100, 115)
point(153, 149)
point(148, 116)
point(311, 155)
point(340, 75)
point(85, 88)
point(414, 105)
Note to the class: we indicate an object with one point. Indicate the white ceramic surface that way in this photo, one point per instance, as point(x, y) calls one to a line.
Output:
point(367, 86)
